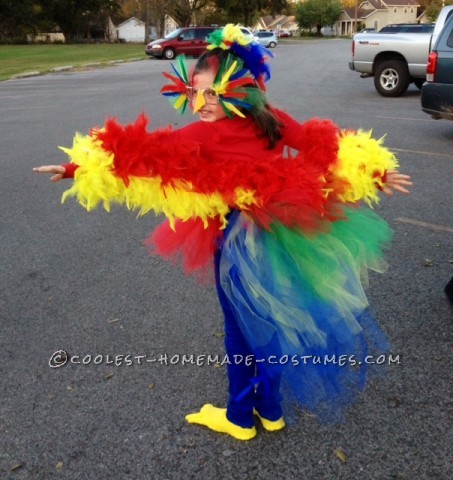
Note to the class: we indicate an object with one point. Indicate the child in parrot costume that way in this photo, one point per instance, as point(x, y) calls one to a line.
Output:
point(279, 211)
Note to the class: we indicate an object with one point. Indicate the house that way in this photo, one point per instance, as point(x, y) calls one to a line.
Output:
point(170, 24)
point(131, 31)
point(376, 14)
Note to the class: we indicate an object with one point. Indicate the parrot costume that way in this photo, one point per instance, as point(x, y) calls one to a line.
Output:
point(288, 232)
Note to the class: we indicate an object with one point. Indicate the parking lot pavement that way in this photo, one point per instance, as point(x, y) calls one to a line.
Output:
point(84, 283)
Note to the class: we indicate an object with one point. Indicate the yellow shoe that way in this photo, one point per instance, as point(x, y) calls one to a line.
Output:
point(215, 419)
point(269, 425)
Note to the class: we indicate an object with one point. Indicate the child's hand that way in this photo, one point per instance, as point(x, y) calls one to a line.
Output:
point(396, 181)
point(58, 170)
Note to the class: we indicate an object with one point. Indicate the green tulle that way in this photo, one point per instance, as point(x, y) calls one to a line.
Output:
point(334, 264)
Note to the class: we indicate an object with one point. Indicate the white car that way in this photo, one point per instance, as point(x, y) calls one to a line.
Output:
point(267, 39)
point(248, 33)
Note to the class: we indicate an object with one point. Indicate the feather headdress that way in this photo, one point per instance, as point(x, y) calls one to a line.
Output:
point(237, 76)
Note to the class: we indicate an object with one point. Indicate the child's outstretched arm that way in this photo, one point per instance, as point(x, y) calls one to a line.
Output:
point(58, 171)
point(396, 181)
point(367, 167)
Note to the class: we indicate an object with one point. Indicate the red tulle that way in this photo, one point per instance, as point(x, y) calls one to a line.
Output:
point(190, 242)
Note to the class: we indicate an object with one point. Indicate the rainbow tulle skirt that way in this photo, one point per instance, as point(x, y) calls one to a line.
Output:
point(300, 302)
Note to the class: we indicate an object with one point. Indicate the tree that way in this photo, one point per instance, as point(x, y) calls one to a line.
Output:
point(158, 11)
point(16, 23)
point(75, 17)
point(247, 11)
point(432, 11)
point(318, 13)
point(185, 11)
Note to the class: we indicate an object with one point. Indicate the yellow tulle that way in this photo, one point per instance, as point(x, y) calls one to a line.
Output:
point(363, 162)
point(95, 183)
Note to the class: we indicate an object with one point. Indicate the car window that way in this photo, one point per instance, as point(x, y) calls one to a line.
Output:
point(413, 29)
point(450, 38)
point(419, 29)
point(391, 29)
point(188, 34)
point(201, 34)
point(174, 33)
point(416, 28)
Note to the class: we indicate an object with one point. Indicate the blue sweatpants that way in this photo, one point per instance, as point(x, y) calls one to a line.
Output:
point(250, 387)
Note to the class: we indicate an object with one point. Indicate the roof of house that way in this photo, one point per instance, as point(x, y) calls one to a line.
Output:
point(361, 13)
point(402, 3)
point(377, 5)
point(136, 20)
point(270, 21)
point(382, 5)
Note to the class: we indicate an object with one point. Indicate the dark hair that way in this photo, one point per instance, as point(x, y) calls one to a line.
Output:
point(263, 117)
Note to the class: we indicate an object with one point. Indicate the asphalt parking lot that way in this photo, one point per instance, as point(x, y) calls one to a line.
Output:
point(84, 283)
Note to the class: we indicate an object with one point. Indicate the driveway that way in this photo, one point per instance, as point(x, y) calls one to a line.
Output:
point(84, 283)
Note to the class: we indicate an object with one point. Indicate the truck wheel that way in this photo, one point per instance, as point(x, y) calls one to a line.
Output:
point(391, 78)
point(169, 53)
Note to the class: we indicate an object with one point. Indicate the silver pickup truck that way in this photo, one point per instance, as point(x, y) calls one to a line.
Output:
point(395, 59)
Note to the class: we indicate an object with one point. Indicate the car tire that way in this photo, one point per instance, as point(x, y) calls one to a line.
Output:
point(418, 82)
point(391, 78)
point(169, 54)
point(272, 45)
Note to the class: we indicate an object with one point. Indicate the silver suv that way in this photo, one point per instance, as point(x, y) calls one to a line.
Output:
point(267, 39)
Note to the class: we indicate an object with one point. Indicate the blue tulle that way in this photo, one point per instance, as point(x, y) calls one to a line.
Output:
point(316, 337)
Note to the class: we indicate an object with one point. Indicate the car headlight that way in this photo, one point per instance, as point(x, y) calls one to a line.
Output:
point(156, 46)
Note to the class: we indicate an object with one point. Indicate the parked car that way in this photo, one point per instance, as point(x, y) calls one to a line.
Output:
point(267, 39)
point(395, 59)
point(284, 33)
point(408, 28)
point(191, 41)
point(248, 33)
point(437, 92)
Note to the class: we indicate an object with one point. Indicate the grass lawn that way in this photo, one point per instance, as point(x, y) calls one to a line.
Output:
point(17, 59)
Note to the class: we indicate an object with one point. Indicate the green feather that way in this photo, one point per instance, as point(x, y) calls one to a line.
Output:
point(216, 38)
point(228, 112)
point(182, 67)
point(225, 66)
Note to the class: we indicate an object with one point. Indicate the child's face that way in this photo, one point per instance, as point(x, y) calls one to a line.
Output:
point(211, 111)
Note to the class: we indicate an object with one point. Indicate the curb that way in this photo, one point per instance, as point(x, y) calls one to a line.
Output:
point(68, 68)
point(25, 75)
point(62, 69)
